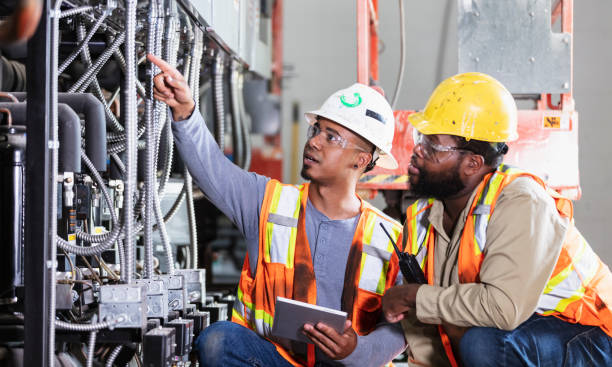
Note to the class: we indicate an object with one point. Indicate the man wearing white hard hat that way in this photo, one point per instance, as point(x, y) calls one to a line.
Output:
point(317, 242)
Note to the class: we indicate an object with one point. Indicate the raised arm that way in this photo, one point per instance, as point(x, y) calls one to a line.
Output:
point(236, 192)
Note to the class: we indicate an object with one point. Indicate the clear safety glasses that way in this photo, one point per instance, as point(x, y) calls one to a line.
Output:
point(330, 138)
point(430, 149)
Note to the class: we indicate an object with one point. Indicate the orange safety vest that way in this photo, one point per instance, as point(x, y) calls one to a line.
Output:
point(580, 287)
point(284, 266)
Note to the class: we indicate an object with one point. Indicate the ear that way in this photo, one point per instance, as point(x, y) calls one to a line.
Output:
point(473, 163)
point(362, 160)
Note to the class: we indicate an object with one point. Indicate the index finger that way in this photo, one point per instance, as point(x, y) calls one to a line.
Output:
point(164, 66)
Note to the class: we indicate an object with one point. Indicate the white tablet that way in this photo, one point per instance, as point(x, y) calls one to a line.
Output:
point(290, 317)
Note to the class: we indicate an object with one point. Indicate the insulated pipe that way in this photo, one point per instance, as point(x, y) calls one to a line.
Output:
point(69, 133)
point(95, 124)
point(237, 140)
point(129, 94)
point(218, 102)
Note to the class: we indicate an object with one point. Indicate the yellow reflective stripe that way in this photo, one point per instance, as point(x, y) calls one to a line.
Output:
point(270, 226)
point(264, 316)
point(291, 250)
point(414, 233)
point(240, 297)
point(563, 274)
point(380, 288)
point(367, 237)
point(580, 292)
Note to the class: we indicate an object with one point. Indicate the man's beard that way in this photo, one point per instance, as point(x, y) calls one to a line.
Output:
point(440, 186)
point(305, 174)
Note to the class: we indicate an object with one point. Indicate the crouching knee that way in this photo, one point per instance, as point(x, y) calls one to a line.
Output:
point(215, 341)
point(481, 346)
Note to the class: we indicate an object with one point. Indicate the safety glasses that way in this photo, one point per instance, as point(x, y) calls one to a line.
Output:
point(430, 149)
point(330, 138)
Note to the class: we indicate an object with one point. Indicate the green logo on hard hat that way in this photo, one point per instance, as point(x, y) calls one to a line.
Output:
point(355, 103)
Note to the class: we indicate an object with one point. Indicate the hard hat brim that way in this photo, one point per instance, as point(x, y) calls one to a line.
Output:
point(424, 126)
point(385, 158)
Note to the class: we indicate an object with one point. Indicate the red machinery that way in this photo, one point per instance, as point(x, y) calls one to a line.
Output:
point(548, 134)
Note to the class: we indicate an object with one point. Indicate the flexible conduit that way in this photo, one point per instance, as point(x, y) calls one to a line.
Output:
point(218, 102)
point(237, 139)
point(130, 131)
point(86, 57)
point(83, 43)
point(194, 78)
point(245, 124)
point(91, 347)
point(83, 82)
point(150, 170)
point(113, 356)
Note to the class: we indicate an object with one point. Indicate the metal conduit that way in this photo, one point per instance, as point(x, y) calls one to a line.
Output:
point(113, 356)
point(130, 131)
point(218, 102)
point(237, 140)
point(245, 123)
point(149, 181)
point(83, 43)
point(83, 82)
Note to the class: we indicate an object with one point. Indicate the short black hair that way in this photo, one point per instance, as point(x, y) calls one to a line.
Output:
point(493, 153)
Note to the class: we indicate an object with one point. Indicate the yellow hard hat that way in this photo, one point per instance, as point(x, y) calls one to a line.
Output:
point(470, 105)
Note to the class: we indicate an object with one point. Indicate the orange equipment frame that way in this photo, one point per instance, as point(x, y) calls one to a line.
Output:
point(548, 135)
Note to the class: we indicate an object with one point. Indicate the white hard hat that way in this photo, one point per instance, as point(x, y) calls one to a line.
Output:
point(366, 112)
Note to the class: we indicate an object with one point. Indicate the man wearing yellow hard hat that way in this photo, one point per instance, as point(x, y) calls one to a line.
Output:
point(511, 281)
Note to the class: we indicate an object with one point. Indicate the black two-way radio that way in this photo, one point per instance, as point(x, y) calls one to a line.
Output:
point(409, 266)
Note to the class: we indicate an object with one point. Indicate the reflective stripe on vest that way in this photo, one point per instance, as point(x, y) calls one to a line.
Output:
point(419, 212)
point(281, 229)
point(376, 253)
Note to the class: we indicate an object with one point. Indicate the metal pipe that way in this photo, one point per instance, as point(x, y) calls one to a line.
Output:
point(218, 102)
point(130, 131)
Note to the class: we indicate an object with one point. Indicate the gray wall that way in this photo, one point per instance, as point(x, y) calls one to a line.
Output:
point(320, 45)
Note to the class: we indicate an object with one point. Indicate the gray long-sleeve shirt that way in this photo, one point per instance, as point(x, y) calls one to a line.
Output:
point(239, 195)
